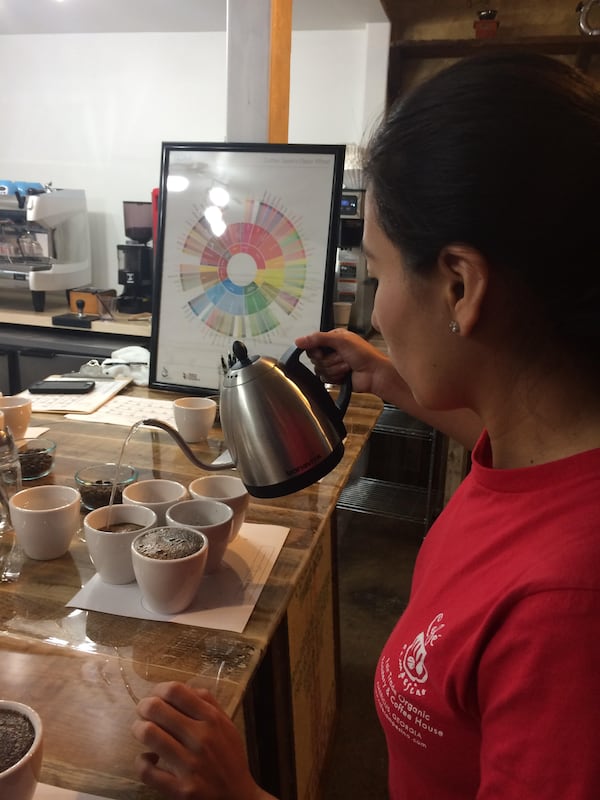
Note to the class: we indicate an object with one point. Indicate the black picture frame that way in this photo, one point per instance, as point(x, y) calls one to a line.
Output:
point(263, 271)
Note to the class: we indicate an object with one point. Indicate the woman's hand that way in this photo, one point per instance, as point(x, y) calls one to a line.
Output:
point(195, 750)
point(335, 353)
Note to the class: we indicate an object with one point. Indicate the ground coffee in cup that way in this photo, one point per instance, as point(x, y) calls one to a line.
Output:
point(16, 737)
point(169, 563)
point(169, 543)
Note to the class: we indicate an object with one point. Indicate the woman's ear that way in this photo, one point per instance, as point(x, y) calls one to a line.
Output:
point(466, 274)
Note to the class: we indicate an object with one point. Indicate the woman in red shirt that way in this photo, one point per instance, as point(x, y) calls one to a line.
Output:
point(482, 210)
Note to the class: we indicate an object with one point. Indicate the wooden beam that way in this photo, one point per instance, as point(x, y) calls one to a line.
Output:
point(279, 70)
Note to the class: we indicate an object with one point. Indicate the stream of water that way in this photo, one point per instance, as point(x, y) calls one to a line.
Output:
point(130, 433)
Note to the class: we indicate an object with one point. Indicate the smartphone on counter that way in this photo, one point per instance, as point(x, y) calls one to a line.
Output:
point(62, 387)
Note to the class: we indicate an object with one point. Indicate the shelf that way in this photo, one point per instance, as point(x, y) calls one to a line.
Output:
point(394, 422)
point(386, 499)
point(403, 54)
point(456, 48)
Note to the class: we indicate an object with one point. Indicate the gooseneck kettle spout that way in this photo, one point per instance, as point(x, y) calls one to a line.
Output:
point(184, 446)
point(281, 427)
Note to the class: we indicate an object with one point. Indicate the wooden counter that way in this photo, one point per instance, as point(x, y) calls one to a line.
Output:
point(84, 671)
point(16, 309)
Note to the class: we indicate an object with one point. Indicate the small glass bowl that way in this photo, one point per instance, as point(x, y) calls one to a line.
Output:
point(36, 457)
point(95, 483)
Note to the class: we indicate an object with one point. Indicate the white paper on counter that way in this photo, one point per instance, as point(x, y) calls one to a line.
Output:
point(33, 433)
point(79, 403)
point(127, 410)
point(46, 792)
point(226, 598)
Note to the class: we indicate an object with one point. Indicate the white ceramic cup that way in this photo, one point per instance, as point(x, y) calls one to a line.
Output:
point(341, 314)
point(17, 413)
point(110, 551)
point(194, 417)
point(45, 519)
point(155, 493)
point(213, 518)
point(19, 781)
point(169, 584)
point(229, 490)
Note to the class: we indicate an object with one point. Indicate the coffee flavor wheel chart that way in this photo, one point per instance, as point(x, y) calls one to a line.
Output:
point(249, 279)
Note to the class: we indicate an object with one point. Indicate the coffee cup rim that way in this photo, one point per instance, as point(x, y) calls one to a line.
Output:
point(207, 480)
point(133, 487)
point(87, 526)
point(47, 489)
point(13, 402)
point(35, 719)
point(227, 510)
point(195, 554)
point(194, 402)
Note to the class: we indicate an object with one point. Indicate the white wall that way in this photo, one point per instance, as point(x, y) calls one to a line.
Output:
point(90, 111)
point(338, 83)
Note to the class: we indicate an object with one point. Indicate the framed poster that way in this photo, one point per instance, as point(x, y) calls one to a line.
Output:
point(247, 239)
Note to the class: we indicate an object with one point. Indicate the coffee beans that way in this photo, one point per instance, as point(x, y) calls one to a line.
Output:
point(97, 494)
point(36, 457)
point(16, 737)
point(35, 463)
point(95, 483)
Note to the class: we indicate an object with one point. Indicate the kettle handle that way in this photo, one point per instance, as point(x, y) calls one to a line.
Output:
point(291, 363)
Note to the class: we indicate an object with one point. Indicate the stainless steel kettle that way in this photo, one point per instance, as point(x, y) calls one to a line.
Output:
point(281, 426)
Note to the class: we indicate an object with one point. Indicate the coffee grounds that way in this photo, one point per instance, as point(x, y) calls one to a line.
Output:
point(16, 737)
point(168, 543)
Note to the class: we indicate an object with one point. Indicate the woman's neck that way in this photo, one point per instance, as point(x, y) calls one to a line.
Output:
point(539, 420)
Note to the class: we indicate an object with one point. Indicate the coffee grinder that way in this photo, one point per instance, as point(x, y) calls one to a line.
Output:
point(136, 259)
point(353, 284)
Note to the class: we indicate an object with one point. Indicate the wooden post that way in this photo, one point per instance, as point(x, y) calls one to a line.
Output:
point(279, 70)
point(259, 38)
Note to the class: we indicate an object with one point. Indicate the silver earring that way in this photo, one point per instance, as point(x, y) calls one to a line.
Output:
point(454, 326)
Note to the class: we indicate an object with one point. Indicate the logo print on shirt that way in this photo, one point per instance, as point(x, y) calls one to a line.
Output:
point(413, 671)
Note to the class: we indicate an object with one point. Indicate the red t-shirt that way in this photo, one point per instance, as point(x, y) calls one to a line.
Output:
point(489, 685)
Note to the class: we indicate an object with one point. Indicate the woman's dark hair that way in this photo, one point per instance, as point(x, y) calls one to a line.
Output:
point(500, 151)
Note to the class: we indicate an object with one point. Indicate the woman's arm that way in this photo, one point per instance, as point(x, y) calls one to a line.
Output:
point(335, 353)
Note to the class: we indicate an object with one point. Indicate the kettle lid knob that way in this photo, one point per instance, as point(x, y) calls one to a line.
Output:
point(241, 353)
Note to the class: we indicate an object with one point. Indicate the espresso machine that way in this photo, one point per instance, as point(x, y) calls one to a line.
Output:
point(136, 259)
point(44, 239)
point(352, 283)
